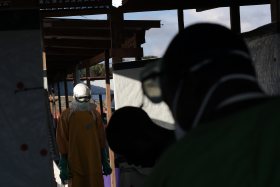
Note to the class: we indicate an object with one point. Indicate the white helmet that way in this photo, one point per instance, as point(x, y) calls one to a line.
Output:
point(81, 93)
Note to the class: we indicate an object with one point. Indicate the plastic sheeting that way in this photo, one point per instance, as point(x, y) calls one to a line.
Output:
point(25, 156)
point(264, 44)
point(128, 92)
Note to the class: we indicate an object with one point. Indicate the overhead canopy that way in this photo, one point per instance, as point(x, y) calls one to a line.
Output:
point(154, 5)
point(58, 8)
point(68, 42)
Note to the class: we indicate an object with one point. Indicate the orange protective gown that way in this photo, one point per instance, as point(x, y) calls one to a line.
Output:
point(81, 136)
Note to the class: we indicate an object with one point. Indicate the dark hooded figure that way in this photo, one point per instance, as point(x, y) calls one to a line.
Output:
point(138, 143)
point(227, 128)
point(133, 135)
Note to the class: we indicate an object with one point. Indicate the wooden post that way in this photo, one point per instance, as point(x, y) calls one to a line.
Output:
point(109, 114)
point(235, 19)
point(116, 26)
point(66, 93)
point(59, 97)
point(275, 12)
point(88, 75)
point(76, 75)
point(45, 70)
point(180, 14)
point(101, 105)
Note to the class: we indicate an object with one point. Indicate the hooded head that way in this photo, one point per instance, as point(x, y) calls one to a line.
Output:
point(132, 134)
point(81, 98)
point(197, 60)
point(81, 93)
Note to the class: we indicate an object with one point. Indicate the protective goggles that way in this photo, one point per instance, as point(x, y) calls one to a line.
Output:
point(150, 79)
point(83, 99)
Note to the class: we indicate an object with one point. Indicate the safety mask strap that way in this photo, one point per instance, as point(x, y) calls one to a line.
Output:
point(214, 87)
point(198, 67)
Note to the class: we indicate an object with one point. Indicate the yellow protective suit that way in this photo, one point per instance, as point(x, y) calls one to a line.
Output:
point(81, 136)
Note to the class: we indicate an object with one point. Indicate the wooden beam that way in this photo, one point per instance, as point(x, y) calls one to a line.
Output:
point(66, 58)
point(66, 93)
point(155, 5)
point(109, 114)
point(135, 40)
point(72, 51)
point(98, 44)
point(275, 13)
point(88, 75)
point(59, 98)
point(74, 12)
point(100, 24)
point(130, 42)
point(90, 78)
point(118, 53)
point(47, 4)
point(180, 14)
point(78, 32)
point(126, 52)
point(95, 60)
point(235, 19)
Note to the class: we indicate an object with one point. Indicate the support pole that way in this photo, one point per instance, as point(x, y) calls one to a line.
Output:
point(88, 76)
point(66, 93)
point(180, 14)
point(109, 114)
point(275, 12)
point(45, 71)
point(59, 97)
point(235, 19)
point(101, 105)
point(116, 27)
point(76, 75)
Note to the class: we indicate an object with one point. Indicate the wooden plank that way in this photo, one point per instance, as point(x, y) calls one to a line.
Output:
point(118, 52)
point(100, 24)
point(73, 3)
point(47, 4)
point(95, 60)
point(126, 52)
point(98, 44)
point(75, 12)
point(66, 58)
point(86, 32)
point(72, 51)
point(153, 5)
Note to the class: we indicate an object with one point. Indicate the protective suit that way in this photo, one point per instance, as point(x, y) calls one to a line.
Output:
point(227, 128)
point(241, 149)
point(81, 136)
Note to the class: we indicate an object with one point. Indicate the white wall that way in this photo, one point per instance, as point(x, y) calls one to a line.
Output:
point(128, 92)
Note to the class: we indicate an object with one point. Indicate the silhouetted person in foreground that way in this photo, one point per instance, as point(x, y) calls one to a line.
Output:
point(227, 128)
point(138, 143)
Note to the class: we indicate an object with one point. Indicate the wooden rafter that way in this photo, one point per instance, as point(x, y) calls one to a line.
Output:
point(153, 5)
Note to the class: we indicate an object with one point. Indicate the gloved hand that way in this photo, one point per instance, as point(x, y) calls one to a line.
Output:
point(63, 167)
point(107, 170)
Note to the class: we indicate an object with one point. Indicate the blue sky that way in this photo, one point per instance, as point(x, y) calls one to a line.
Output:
point(157, 39)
